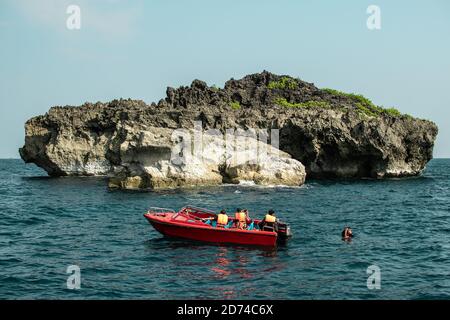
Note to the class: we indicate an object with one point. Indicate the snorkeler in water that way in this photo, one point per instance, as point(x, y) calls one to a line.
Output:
point(347, 233)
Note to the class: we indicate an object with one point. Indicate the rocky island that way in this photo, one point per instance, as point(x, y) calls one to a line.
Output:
point(321, 133)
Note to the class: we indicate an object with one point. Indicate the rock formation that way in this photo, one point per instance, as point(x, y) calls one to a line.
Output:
point(328, 133)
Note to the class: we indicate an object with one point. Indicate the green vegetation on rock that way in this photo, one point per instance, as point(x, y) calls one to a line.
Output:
point(283, 83)
point(308, 104)
point(366, 110)
point(393, 112)
point(365, 105)
point(235, 105)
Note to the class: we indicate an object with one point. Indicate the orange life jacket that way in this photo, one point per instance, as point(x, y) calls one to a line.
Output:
point(222, 219)
point(240, 216)
point(270, 218)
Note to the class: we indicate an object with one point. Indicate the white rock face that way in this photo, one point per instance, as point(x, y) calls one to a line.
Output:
point(69, 153)
point(275, 171)
point(155, 158)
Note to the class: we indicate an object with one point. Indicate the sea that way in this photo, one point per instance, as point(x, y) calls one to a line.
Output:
point(72, 238)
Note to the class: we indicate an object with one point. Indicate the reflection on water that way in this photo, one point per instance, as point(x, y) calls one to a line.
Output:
point(236, 265)
point(230, 271)
point(227, 263)
point(220, 266)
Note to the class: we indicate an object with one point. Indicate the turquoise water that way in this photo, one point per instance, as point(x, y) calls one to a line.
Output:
point(47, 224)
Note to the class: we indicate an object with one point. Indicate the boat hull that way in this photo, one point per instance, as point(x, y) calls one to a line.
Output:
point(213, 234)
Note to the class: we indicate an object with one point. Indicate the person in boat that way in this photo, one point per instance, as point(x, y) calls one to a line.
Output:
point(240, 218)
point(221, 219)
point(247, 216)
point(269, 222)
point(249, 222)
point(347, 233)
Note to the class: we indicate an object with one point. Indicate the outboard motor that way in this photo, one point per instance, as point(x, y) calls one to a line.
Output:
point(284, 232)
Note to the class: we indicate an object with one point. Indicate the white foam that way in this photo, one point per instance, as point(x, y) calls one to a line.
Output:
point(252, 184)
point(247, 183)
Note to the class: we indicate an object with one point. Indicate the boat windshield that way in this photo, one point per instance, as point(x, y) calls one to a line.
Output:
point(195, 212)
point(159, 210)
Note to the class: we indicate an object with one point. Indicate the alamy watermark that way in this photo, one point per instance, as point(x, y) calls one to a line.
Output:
point(74, 280)
point(73, 21)
point(374, 20)
point(231, 146)
point(374, 279)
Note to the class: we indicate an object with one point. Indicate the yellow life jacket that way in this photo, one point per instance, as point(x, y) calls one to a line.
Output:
point(240, 216)
point(222, 219)
point(270, 218)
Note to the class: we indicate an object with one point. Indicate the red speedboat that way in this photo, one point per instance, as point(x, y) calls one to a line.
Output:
point(194, 224)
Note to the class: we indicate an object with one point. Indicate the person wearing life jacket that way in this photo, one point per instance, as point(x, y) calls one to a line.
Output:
point(269, 222)
point(221, 219)
point(347, 233)
point(240, 218)
point(249, 220)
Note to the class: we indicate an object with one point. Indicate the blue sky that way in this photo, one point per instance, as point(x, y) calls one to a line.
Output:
point(137, 48)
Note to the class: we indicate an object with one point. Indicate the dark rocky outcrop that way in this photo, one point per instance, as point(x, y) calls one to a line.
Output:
point(331, 133)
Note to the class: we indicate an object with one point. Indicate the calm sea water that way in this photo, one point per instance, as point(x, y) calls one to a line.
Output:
point(47, 224)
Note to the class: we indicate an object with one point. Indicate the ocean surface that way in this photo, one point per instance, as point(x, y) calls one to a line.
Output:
point(401, 226)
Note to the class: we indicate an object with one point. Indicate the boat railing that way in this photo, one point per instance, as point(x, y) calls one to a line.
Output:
point(159, 210)
point(197, 209)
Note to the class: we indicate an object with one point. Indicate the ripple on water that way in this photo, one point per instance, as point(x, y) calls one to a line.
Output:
point(401, 225)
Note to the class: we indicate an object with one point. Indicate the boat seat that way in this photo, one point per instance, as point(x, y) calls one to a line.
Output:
point(251, 226)
point(268, 228)
point(207, 221)
point(229, 225)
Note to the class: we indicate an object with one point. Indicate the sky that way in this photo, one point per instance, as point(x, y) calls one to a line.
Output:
point(135, 49)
